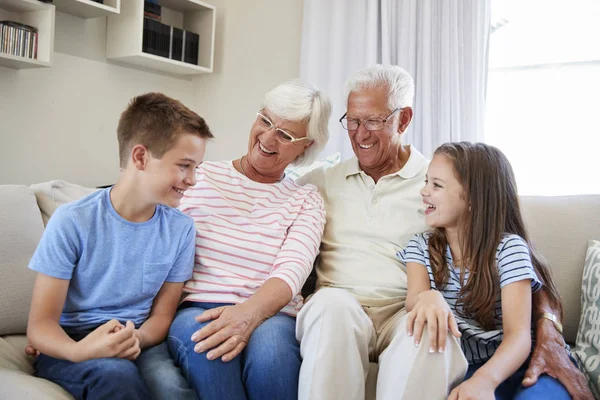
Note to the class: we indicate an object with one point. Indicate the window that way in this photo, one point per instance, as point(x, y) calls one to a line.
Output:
point(543, 95)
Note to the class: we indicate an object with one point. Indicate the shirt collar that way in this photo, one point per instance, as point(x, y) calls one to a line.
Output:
point(414, 165)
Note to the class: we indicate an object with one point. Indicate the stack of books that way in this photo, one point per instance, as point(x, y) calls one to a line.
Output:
point(18, 39)
point(167, 41)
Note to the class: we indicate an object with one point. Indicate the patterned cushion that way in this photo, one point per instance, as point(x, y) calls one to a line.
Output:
point(295, 172)
point(588, 335)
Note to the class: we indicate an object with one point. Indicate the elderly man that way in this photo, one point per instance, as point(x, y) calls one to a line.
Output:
point(357, 314)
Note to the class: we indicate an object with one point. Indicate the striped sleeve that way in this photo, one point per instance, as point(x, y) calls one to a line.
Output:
point(414, 251)
point(514, 263)
point(294, 261)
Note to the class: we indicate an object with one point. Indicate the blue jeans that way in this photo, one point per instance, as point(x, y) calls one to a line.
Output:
point(153, 375)
point(546, 387)
point(267, 368)
point(163, 378)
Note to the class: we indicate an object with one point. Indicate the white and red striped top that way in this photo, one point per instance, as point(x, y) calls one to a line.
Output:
point(248, 232)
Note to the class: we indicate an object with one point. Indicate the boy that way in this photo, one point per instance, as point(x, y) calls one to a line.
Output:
point(111, 266)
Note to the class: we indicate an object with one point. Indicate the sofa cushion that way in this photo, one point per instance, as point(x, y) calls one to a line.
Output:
point(588, 336)
point(21, 228)
point(560, 228)
point(16, 381)
point(50, 195)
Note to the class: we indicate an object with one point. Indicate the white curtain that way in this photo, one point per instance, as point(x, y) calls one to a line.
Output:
point(443, 44)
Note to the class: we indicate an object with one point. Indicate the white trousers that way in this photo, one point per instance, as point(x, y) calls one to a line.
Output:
point(336, 337)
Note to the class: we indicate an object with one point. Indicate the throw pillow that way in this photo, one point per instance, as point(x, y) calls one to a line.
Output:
point(588, 335)
point(295, 172)
point(52, 194)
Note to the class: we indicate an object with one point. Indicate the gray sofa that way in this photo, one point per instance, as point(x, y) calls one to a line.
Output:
point(560, 227)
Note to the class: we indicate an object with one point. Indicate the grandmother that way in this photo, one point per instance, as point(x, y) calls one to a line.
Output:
point(258, 234)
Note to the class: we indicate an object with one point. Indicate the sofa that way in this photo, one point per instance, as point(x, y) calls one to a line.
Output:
point(560, 228)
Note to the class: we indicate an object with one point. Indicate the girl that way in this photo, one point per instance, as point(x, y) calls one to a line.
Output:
point(477, 259)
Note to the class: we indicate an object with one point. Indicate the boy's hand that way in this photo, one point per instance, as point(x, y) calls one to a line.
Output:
point(108, 340)
point(132, 353)
point(432, 309)
point(31, 351)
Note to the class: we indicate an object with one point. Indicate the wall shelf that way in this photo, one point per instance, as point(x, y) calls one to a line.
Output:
point(124, 34)
point(36, 14)
point(88, 8)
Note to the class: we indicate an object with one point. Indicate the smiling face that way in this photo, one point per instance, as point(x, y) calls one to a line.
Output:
point(172, 174)
point(267, 155)
point(443, 194)
point(375, 150)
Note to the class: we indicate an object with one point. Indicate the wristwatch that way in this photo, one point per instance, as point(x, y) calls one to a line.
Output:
point(554, 320)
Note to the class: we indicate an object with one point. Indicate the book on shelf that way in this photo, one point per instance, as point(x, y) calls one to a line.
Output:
point(191, 42)
point(176, 44)
point(152, 10)
point(167, 41)
point(18, 39)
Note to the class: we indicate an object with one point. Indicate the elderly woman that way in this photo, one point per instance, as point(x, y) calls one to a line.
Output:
point(258, 235)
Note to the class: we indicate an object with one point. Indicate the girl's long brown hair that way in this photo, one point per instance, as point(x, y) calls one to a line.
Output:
point(490, 189)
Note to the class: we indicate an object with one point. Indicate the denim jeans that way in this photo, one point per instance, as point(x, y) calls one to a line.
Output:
point(163, 378)
point(546, 387)
point(267, 368)
point(153, 375)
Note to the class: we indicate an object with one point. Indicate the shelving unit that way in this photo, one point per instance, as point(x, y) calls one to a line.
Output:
point(39, 15)
point(88, 8)
point(125, 30)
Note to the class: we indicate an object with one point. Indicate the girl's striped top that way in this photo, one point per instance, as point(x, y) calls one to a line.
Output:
point(514, 264)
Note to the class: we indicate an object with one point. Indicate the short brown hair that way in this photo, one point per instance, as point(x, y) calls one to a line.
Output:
point(156, 120)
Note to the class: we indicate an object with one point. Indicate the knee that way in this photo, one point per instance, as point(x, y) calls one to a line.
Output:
point(181, 330)
point(273, 345)
point(111, 370)
point(335, 305)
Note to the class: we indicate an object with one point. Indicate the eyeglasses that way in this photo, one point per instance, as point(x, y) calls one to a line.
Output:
point(281, 135)
point(369, 124)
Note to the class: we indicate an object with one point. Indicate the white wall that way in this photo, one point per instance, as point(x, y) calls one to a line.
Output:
point(258, 47)
point(60, 122)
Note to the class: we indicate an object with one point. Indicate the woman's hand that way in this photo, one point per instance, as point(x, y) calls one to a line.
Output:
point(475, 388)
point(228, 333)
point(432, 309)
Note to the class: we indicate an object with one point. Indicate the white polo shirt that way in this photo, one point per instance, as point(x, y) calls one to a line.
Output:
point(367, 224)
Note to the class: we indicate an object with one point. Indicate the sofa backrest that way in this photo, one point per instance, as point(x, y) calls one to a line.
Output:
point(560, 228)
point(21, 228)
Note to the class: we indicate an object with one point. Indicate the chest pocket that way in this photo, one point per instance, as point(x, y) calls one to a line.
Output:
point(154, 277)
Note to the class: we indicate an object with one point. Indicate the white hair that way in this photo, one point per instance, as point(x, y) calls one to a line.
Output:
point(299, 100)
point(399, 83)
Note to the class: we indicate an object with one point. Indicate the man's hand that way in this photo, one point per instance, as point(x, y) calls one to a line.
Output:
point(108, 340)
point(228, 333)
point(432, 309)
point(550, 357)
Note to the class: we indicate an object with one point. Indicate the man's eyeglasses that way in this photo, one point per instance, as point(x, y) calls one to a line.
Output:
point(369, 124)
point(281, 135)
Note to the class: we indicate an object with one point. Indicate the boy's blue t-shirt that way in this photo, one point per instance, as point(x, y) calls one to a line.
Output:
point(116, 267)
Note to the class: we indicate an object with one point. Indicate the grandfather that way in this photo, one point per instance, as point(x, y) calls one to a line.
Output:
point(357, 314)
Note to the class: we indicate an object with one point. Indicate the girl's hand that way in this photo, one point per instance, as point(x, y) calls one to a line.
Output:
point(475, 388)
point(228, 333)
point(432, 309)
